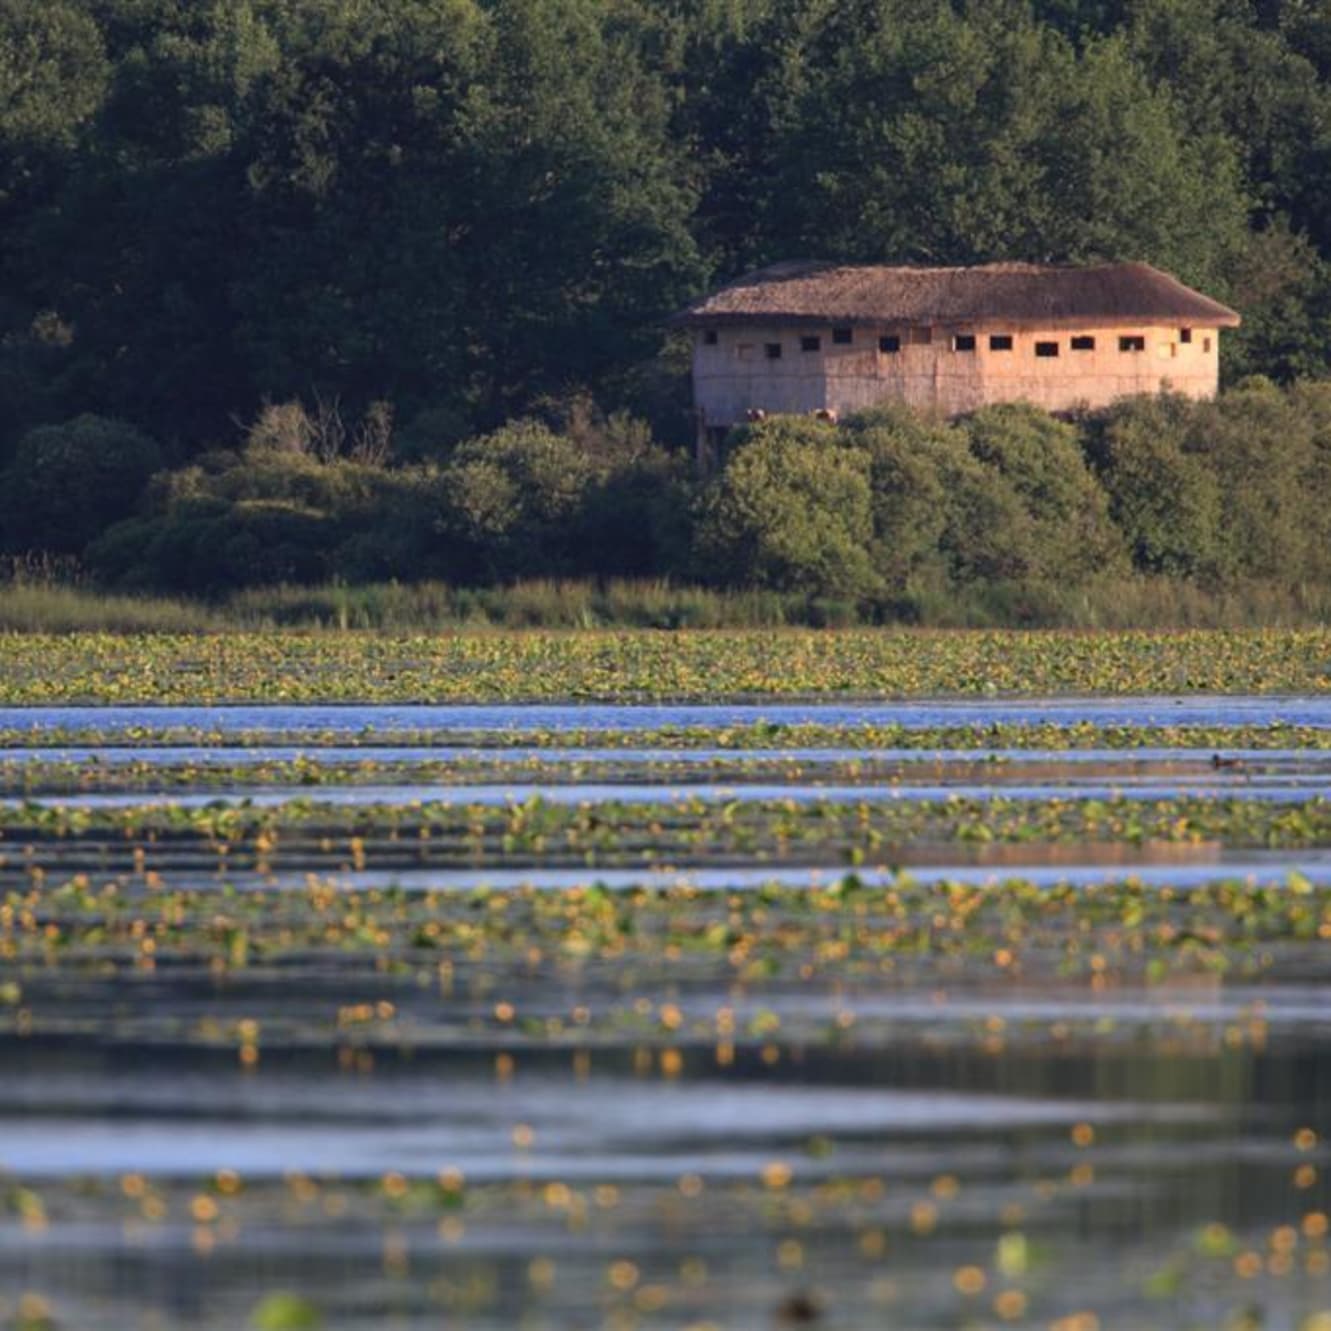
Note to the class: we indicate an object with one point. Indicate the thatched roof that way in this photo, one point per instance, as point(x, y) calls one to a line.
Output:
point(1006, 293)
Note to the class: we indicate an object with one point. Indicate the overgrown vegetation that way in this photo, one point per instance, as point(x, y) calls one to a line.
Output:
point(626, 666)
point(1156, 511)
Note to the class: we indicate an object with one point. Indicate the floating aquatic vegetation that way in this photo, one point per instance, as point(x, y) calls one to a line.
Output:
point(623, 666)
point(978, 1060)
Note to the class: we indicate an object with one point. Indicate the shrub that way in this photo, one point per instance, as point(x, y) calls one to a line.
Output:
point(1162, 496)
point(906, 452)
point(283, 516)
point(988, 534)
point(68, 482)
point(1259, 448)
point(1313, 402)
point(792, 510)
point(211, 550)
point(636, 522)
point(431, 435)
point(1071, 535)
point(511, 501)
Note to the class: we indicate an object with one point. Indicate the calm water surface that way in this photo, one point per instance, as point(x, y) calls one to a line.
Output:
point(1263, 710)
point(651, 1145)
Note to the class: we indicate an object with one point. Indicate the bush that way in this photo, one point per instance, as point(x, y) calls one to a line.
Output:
point(906, 452)
point(1259, 447)
point(988, 534)
point(792, 510)
point(1163, 497)
point(890, 515)
point(1312, 400)
point(68, 482)
point(252, 543)
point(511, 501)
point(636, 522)
point(1070, 533)
point(269, 516)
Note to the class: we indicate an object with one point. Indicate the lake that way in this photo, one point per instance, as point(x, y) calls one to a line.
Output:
point(481, 1016)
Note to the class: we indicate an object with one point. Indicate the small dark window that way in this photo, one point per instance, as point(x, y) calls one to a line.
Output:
point(1206, 344)
point(1083, 344)
point(1185, 334)
point(774, 351)
point(1046, 348)
point(889, 344)
point(709, 337)
point(963, 342)
point(921, 337)
point(1000, 341)
point(842, 337)
point(1132, 344)
point(811, 344)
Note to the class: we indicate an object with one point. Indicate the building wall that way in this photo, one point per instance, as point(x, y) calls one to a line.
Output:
point(734, 374)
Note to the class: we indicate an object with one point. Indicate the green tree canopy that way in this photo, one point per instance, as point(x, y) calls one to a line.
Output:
point(68, 482)
point(792, 509)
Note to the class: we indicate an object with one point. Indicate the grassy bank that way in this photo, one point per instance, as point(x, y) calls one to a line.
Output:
point(29, 605)
point(496, 665)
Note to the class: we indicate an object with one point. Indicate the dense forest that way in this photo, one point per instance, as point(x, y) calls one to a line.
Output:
point(364, 289)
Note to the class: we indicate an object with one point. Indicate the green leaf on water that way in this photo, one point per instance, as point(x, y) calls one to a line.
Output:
point(1013, 1255)
point(1164, 1283)
point(1298, 884)
point(286, 1312)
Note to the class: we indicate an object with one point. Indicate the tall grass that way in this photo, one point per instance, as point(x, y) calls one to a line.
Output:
point(32, 608)
point(30, 604)
point(1134, 602)
point(534, 604)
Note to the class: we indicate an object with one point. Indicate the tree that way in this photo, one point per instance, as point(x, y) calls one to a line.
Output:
point(577, 242)
point(1162, 496)
point(907, 455)
point(68, 482)
point(1259, 447)
point(53, 76)
point(512, 501)
point(791, 510)
point(1041, 458)
point(924, 134)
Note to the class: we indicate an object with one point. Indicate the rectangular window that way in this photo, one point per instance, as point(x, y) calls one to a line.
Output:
point(774, 351)
point(1083, 344)
point(1000, 341)
point(1132, 344)
point(744, 351)
point(963, 342)
point(1206, 344)
point(921, 337)
point(1046, 348)
point(811, 344)
point(842, 337)
point(709, 337)
point(1185, 334)
point(889, 344)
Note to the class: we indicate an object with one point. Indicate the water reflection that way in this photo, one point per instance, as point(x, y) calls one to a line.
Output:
point(1197, 710)
point(486, 1131)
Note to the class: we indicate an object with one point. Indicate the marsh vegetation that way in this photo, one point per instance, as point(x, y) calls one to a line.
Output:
point(995, 1011)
